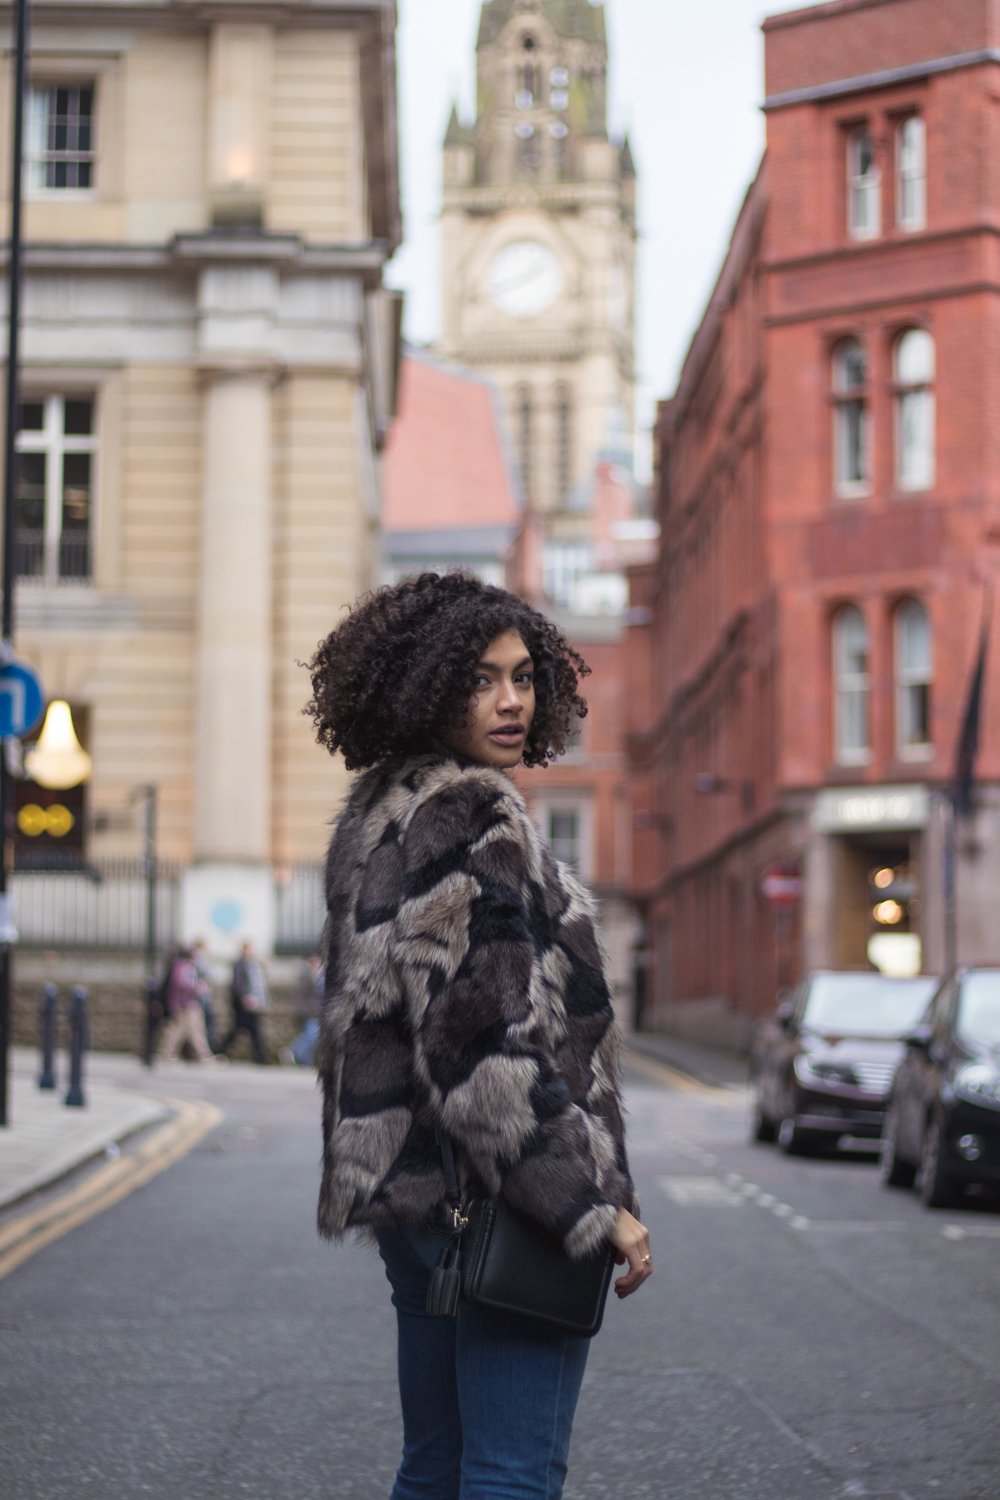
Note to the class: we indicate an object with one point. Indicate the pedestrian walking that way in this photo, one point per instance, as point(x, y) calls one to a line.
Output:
point(308, 994)
point(465, 1004)
point(186, 1023)
point(199, 953)
point(249, 996)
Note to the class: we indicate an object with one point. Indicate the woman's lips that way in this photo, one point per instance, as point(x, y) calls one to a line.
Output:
point(510, 736)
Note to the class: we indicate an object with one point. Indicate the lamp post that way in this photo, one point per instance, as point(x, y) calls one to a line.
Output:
point(147, 795)
point(9, 511)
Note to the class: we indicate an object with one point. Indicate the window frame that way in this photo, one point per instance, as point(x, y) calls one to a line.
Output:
point(845, 398)
point(54, 444)
point(558, 802)
point(907, 677)
point(917, 392)
point(910, 223)
point(49, 82)
point(863, 189)
point(524, 416)
point(563, 440)
point(845, 683)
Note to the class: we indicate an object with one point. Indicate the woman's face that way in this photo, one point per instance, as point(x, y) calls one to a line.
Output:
point(502, 707)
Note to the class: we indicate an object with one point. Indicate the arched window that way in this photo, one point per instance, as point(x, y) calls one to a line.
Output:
point(864, 186)
point(851, 455)
point(524, 427)
point(913, 370)
point(851, 687)
point(914, 674)
point(528, 86)
point(911, 173)
point(564, 440)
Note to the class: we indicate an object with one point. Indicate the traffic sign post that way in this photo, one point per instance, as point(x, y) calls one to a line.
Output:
point(781, 885)
point(21, 700)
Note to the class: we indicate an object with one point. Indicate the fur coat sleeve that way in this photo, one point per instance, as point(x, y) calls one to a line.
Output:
point(498, 989)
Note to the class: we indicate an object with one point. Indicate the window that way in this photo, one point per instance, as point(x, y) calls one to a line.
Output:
point(911, 174)
point(851, 687)
point(914, 672)
point(60, 138)
point(527, 75)
point(564, 564)
point(863, 186)
point(564, 835)
point(525, 415)
point(851, 457)
point(56, 447)
point(913, 369)
point(565, 824)
point(564, 441)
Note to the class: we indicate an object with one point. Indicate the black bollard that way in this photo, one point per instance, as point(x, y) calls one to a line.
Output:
point(47, 1016)
point(77, 1044)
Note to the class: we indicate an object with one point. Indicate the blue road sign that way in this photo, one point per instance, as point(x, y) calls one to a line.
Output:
point(21, 699)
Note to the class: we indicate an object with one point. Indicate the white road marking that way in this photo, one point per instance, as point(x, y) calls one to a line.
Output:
point(971, 1231)
point(703, 1192)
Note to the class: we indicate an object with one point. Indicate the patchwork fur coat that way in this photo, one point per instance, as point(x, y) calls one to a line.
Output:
point(464, 992)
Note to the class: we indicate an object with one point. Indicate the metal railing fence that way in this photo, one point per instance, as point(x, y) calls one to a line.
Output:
point(101, 904)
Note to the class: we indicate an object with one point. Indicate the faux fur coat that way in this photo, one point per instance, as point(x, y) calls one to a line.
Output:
point(464, 991)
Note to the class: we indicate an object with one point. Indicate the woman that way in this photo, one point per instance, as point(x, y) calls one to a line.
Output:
point(464, 993)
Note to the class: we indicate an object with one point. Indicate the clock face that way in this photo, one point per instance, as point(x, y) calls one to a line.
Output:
point(524, 278)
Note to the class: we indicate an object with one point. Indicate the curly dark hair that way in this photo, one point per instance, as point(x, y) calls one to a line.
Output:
point(399, 669)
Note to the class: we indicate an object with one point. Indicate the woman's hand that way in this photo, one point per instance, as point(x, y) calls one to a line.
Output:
point(631, 1240)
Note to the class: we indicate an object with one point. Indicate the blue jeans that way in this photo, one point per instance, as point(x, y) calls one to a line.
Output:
point(488, 1400)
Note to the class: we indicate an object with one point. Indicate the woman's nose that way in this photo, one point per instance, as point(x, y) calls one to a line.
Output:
point(509, 696)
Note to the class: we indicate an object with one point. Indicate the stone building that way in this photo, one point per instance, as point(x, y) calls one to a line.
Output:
point(829, 496)
point(538, 258)
point(538, 252)
point(208, 376)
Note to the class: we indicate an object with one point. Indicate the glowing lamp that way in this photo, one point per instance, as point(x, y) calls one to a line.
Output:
point(57, 759)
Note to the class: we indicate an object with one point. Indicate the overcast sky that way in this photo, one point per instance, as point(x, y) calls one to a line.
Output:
point(686, 82)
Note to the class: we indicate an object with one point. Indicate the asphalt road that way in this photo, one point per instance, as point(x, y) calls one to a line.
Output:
point(807, 1334)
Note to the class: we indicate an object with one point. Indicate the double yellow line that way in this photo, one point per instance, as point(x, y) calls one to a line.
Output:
point(30, 1232)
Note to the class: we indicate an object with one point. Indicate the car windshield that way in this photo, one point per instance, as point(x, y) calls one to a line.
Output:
point(979, 1007)
point(865, 1004)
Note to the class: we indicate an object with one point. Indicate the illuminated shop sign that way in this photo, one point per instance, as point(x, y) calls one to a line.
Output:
point(855, 809)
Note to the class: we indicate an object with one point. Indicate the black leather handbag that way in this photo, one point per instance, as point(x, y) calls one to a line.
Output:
point(500, 1259)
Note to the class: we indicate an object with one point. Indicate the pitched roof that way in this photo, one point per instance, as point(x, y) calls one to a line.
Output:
point(575, 18)
point(446, 463)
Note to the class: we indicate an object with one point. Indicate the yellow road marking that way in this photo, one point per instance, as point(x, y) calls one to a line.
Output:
point(31, 1232)
point(661, 1072)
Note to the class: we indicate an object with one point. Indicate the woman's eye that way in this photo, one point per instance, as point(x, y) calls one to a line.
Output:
point(527, 678)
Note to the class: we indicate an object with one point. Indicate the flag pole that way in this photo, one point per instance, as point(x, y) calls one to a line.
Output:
point(959, 798)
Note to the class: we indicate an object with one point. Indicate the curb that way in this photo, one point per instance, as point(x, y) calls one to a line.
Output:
point(28, 1232)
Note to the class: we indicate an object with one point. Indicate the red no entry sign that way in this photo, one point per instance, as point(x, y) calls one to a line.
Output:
point(781, 884)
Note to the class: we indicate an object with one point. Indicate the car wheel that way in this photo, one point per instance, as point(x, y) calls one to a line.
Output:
point(938, 1187)
point(893, 1171)
point(762, 1127)
point(793, 1140)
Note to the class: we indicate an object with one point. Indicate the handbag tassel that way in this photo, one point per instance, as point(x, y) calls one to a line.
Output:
point(445, 1285)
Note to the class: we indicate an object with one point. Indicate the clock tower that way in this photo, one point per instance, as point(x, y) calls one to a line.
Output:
point(538, 246)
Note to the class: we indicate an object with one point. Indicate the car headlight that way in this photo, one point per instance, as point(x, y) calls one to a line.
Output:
point(979, 1083)
point(813, 1072)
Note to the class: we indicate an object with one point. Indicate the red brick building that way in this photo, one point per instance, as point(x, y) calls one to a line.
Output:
point(829, 501)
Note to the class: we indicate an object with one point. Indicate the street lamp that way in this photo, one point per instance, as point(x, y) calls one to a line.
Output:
point(57, 760)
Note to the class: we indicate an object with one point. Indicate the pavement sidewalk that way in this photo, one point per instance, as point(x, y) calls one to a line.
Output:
point(716, 1066)
point(46, 1139)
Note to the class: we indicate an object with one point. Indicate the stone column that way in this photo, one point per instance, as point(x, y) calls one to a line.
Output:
point(229, 890)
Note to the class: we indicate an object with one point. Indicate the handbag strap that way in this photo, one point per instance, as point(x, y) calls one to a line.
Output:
point(452, 1187)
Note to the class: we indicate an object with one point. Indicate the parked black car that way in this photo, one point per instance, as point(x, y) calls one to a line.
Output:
point(943, 1120)
point(822, 1068)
